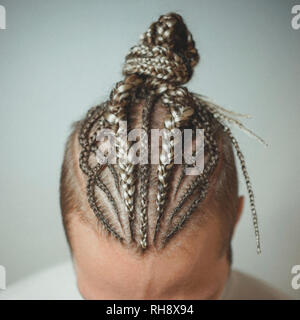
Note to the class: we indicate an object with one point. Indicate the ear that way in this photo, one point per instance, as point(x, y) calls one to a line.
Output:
point(240, 207)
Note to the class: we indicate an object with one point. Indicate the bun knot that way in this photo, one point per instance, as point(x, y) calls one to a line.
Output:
point(165, 53)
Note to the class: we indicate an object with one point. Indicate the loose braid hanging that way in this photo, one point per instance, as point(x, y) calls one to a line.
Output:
point(155, 70)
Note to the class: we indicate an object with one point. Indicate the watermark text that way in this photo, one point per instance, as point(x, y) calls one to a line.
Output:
point(296, 278)
point(176, 147)
point(2, 278)
point(296, 18)
point(2, 18)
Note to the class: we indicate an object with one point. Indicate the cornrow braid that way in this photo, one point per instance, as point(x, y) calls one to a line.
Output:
point(179, 115)
point(202, 193)
point(144, 175)
point(88, 146)
point(120, 98)
point(92, 116)
point(114, 174)
point(92, 201)
point(202, 120)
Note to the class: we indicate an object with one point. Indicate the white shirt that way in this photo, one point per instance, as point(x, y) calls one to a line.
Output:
point(59, 283)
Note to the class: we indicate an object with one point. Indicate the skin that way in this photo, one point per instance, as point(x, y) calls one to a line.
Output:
point(193, 269)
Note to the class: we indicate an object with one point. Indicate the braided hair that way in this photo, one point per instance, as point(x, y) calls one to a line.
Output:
point(154, 71)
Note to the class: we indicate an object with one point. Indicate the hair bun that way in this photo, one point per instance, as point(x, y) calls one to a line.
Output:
point(166, 52)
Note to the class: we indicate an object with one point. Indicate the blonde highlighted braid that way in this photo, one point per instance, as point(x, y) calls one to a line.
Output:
point(155, 71)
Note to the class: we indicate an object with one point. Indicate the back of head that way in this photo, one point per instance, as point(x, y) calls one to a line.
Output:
point(146, 205)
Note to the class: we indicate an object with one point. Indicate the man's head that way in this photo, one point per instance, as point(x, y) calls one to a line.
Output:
point(149, 231)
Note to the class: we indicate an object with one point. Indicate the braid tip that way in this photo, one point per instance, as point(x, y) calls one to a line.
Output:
point(258, 247)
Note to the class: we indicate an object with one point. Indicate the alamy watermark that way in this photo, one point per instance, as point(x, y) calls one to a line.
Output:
point(2, 278)
point(296, 278)
point(295, 22)
point(2, 18)
point(132, 147)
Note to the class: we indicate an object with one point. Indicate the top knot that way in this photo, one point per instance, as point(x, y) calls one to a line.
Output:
point(165, 53)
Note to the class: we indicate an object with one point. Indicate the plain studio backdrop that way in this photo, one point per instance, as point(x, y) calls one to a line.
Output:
point(59, 58)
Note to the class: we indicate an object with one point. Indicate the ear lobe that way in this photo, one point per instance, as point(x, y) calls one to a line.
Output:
point(240, 207)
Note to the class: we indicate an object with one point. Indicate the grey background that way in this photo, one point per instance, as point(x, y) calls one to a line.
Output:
point(58, 58)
